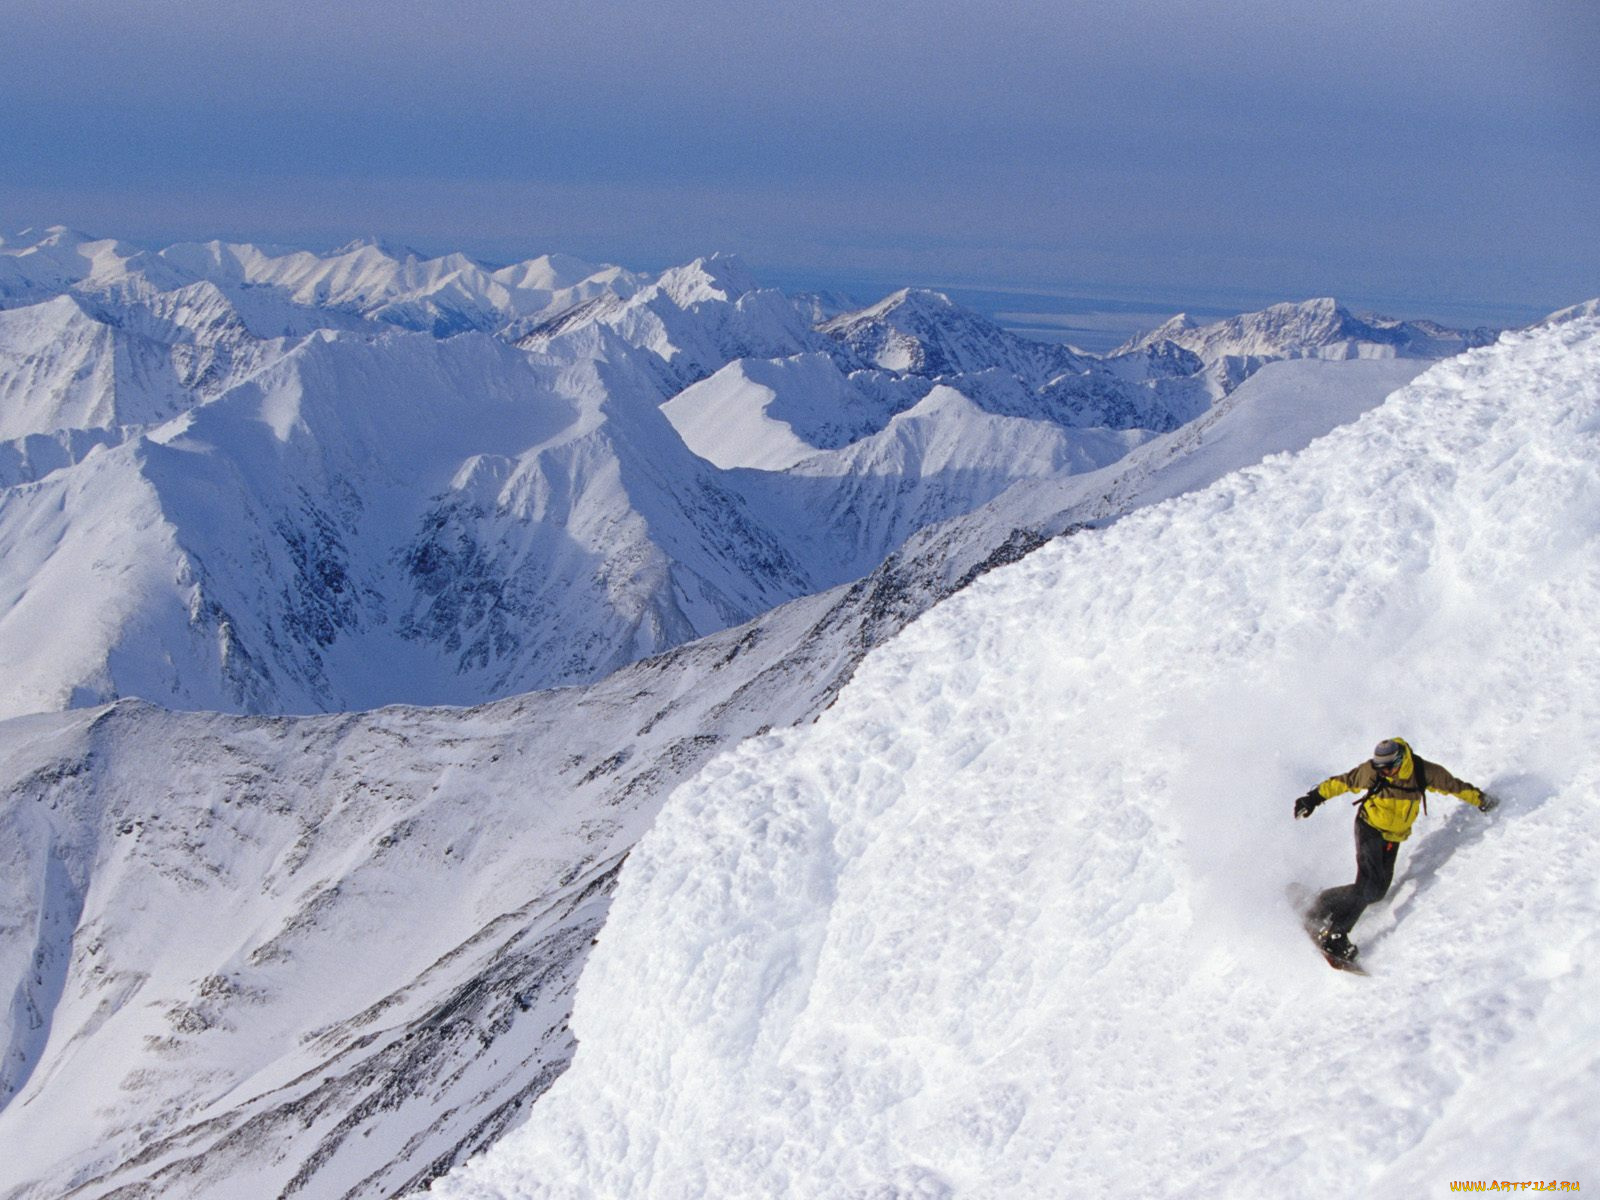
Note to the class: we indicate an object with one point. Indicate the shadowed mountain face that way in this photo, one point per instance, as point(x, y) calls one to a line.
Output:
point(261, 481)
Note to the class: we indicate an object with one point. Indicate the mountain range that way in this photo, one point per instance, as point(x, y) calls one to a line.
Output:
point(269, 481)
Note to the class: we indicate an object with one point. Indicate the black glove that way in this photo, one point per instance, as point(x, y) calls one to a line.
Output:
point(1487, 803)
point(1305, 805)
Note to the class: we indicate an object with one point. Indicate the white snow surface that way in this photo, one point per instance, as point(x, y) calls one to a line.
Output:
point(769, 414)
point(124, 824)
point(1008, 920)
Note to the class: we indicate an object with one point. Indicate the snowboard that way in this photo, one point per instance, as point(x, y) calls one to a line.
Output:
point(1300, 899)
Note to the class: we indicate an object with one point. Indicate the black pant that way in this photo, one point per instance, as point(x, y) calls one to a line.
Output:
point(1342, 906)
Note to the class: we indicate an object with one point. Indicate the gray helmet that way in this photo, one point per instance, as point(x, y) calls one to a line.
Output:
point(1387, 753)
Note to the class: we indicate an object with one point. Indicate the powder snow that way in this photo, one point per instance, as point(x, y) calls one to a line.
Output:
point(1008, 920)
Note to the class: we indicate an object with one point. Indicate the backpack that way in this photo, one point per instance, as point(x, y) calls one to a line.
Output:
point(1417, 783)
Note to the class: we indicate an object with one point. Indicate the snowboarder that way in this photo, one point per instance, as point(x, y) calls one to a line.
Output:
point(1395, 781)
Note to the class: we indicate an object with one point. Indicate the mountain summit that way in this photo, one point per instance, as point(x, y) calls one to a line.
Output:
point(925, 333)
point(1321, 328)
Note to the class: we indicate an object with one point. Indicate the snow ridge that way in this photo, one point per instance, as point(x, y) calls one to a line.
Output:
point(487, 834)
point(1005, 910)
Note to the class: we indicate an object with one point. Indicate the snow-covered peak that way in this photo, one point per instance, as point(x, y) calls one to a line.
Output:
point(1320, 328)
point(769, 414)
point(376, 247)
point(904, 312)
point(64, 259)
point(694, 319)
point(552, 272)
point(912, 303)
point(1009, 907)
point(58, 237)
point(720, 277)
point(946, 434)
point(1172, 329)
point(280, 290)
point(925, 332)
point(119, 360)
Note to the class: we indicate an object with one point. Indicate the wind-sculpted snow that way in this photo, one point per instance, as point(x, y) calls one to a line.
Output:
point(1008, 919)
point(334, 956)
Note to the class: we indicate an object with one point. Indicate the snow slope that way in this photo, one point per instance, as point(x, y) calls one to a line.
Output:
point(65, 367)
point(1008, 919)
point(769, 414)
point(453, 865)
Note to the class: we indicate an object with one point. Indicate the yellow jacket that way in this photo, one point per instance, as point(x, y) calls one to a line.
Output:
point(1392, 802)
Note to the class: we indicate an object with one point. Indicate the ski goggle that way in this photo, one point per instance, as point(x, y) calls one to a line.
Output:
point(1388, 764)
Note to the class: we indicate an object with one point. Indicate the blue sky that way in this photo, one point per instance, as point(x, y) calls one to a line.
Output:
point(1437, 157)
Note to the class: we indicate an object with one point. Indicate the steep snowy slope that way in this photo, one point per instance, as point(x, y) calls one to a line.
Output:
point(91, 563)
point(611, 543)
point(769, 414)
point(281, 504)
point(72, 364)
point(1008, 920)
point(391, 991)
point(56, 370)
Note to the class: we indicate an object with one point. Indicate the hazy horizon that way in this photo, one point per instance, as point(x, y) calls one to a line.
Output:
point(1096, 317)
point(1445, 151)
